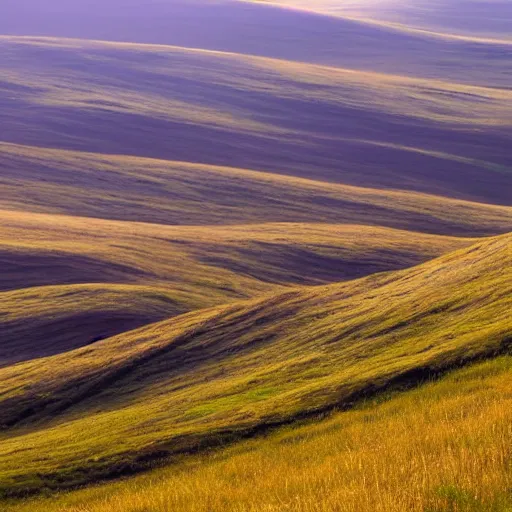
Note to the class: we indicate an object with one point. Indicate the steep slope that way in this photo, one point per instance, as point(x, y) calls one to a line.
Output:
point(69, 281)
point(366, 129)
point(444, 446)
point(217, 374)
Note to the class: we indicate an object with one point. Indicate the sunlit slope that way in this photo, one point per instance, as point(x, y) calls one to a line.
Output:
point(70, 281)
point(445, 446)
point(42, 245)
point(155, 191)
point(219, 373)
point(480, 20)
point(362, 128)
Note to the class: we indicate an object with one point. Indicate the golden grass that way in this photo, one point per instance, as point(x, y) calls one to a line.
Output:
point(443, 447)
point(209, 376)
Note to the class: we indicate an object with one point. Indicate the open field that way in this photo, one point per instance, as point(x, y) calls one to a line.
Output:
point(217, 374)
point(445, 446)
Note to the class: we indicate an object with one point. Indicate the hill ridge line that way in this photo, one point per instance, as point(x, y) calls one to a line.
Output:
point(389, 25)
point(74, 42)
point(260, 175)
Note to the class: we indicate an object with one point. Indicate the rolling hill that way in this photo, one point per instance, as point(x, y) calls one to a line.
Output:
point(368, 41)
point(179, 193)
point(327, 124)
point(261, 250)
point(471, 19)
point(218, 374)
point(70, 281)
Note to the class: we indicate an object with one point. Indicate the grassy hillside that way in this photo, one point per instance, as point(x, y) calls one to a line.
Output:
point(434, 135)
point(70, 281)
point(220, 373)
point(148, 190)
point(445, 446)
point(219, 219)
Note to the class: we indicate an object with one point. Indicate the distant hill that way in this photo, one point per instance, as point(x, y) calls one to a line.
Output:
point(180, 193)
point(445, 18)
point(321, 123)
point(263, 29)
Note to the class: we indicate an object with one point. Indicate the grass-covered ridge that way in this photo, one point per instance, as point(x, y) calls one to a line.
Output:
point(444, 446)
point(69, 281)
point(220, 373)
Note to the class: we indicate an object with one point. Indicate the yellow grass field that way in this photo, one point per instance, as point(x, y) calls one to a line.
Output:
point(443, 447)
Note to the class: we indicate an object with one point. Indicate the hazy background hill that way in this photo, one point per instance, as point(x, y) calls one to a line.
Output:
point(257, 28)
point(330, 124)
point(256, 86)
point(480, 18)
